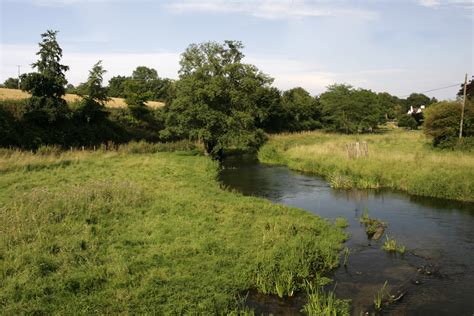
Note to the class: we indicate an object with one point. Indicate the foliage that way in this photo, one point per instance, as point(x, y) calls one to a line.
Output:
point(11, 83)
point(117, 233)
point(397, 159)
point(379, 297)
point(391, 245)
point(443, 120)
point(416, 100)
point(302, 111)
point(350, 110)
point(219, 100)
point(92, 107)
point(46, 105)
point(469, 90)
point(116, 86)
point(321, 303)
point(407, 121)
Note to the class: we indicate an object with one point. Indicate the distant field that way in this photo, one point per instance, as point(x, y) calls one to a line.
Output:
point(14, 94)
point(397, 159)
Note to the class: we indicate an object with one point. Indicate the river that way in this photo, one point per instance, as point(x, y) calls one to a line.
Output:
point(436, 274)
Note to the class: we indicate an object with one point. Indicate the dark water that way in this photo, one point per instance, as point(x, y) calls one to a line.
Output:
point(437, 271)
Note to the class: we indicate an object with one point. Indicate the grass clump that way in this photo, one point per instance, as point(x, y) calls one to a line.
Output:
point(321, 303)
point(341, 222)
point(391, 245)
point(380, 296)
point(111, 232)
point(374, 228)
point(398, 159)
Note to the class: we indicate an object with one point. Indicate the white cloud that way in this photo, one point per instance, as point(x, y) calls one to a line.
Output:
point(271, 9)
point(444, 3)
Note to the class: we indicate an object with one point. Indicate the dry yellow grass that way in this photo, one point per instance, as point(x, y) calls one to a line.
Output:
point(14, 94)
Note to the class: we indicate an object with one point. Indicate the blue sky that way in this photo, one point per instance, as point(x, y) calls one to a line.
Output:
point(395, 46)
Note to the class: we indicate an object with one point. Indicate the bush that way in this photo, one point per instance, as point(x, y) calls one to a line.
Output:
point(442, 123)
point(408, 122)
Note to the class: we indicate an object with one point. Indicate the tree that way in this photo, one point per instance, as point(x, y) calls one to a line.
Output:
point(219, 100)
point(350, 110)
point(389, 104)
point(11, 83)
point(116, 88)
point(145, 74)
point(442, 122)
point(47, 85)
point(417, 100)
point(469, 90)
point(407, 121)
point(302, 111)
point(94, 95)
point(50, 55)
point(136, 96)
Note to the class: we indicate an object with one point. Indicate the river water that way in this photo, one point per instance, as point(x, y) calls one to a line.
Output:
point(436, 274)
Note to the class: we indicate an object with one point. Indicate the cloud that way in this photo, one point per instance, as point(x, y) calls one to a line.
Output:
point(271, 9)
point(446, 3)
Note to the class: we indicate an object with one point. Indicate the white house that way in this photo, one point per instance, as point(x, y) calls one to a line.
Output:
point(413, 110)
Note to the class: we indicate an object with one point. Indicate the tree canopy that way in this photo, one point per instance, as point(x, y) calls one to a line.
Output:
point(350, 110)
point(219, 100)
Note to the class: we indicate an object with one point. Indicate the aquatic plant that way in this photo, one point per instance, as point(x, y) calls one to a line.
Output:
point(341, 222)
point(346, 255)
point(374, 228)
point(391, 245)
point(321, 303)
point(379, 297)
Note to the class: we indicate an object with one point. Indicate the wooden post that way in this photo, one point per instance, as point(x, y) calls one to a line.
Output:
point(462, 108)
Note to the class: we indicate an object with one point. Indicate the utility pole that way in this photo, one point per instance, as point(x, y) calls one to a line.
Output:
point(19, 66)
point(462, 108)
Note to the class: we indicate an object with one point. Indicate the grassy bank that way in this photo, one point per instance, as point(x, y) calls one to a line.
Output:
point(401, 160)
point(135, 232)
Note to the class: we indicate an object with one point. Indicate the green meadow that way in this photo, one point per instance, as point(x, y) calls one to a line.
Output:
point(397, 159)
point(143, 230)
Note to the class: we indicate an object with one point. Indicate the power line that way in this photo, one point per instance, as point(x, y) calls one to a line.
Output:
point(451, 86)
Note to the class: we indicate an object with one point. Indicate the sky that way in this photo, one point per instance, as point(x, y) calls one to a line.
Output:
point(397, 46)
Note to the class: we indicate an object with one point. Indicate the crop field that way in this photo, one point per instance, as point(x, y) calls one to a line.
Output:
point(14, 94)
point(397, 159)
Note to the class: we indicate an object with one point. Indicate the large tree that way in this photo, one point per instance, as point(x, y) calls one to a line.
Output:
point(47, 85)
point(350, 110)
point(219, 99)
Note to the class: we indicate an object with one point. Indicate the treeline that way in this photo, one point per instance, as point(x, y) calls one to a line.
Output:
point(218, 100)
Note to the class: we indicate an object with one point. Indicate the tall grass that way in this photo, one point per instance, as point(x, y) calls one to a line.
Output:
point(401, 160)
point(110, 232)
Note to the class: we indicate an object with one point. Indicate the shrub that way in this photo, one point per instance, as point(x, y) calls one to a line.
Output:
point(407, 121)
point(442, 123)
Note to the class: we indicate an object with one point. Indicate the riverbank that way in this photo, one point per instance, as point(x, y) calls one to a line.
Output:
point(117, 232)
point(399, 160)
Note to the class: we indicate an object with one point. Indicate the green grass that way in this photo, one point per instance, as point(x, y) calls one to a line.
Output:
point(324, 303)
point(391, 245)
point(400, 160)
point(128, 231)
